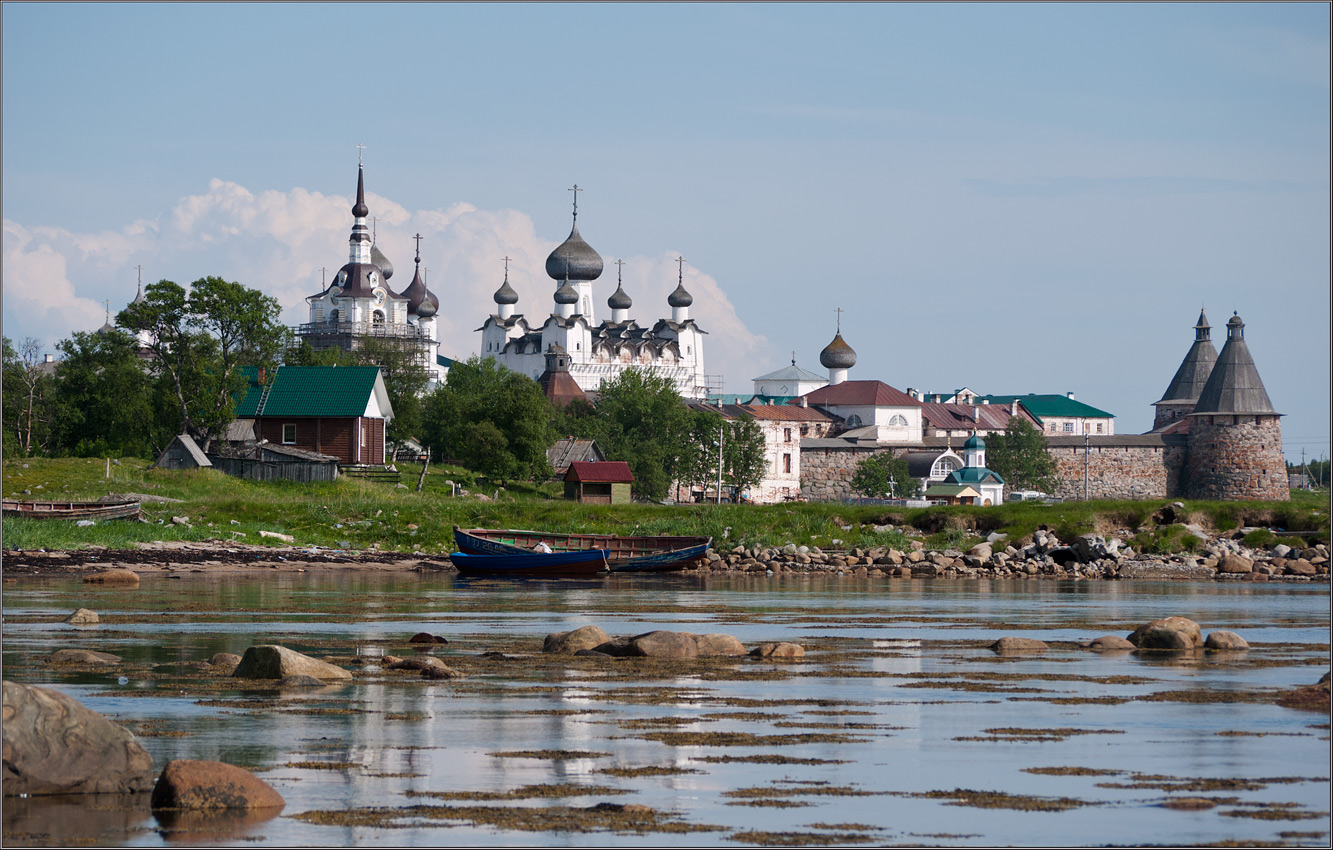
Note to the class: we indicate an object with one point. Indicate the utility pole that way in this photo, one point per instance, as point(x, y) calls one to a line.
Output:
point(720, 429)
point(1087, 442)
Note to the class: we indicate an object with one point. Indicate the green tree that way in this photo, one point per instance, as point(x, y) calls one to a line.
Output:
point(744, 455)
point(641, 420)
point(200, 339)
point(494, 421)
point(103, 399)
point(1019, 456)
point(28, 386)
point(405, 379)
point(882, 474)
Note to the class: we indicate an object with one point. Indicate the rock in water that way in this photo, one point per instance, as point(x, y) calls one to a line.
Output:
point(719, 645)
point(82, 617)
point(1109, 643)
point(1168, 633)
point(663, 644)
point(190, 784)
point(1019, 645)
point(53, 744)
point(115, 576)
point(1225, 640)
point(279, 662)
point(83, 656)
point(778, 651)
point(567, 643)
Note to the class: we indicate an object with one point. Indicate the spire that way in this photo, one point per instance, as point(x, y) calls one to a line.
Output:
point(1234, 387)
point(1194, 370)
point(360, 238)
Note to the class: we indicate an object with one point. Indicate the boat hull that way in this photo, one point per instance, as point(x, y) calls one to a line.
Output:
point(532, 564)
point(627, 554)
point(71, 510)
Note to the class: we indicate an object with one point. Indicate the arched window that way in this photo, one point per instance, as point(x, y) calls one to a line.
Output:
point(853, 421)
point(898, 421)
point(378, 317)
point(942, 467)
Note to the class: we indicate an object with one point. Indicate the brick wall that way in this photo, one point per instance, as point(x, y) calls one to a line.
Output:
point(826, 474)
point(1118, 471)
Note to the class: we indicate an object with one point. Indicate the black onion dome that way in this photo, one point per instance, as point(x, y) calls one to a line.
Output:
point(837, 354)
point(575, 257)
point(679, 297)
point(506, 294)
point(377, 257)
point(360, 210)
point(566, 294)
point(619, 300)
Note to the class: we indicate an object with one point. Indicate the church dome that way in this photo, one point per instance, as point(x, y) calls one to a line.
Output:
point(837, 354)
point(619, 300)
point(377, 257)
point(974, 442)
point(421, 302)
point(679, 297)
point(506, 294)
point(574, 259)
point(566, 294)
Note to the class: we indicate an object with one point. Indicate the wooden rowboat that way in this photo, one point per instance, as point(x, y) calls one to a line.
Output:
point(532, 564)
point(71, 510)
point(627, 554)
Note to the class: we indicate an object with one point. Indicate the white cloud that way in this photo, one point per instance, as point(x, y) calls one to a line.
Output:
point(55, 280)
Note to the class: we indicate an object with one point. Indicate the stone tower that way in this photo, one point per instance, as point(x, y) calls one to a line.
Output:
point(1235, 436)
point(1183, 392)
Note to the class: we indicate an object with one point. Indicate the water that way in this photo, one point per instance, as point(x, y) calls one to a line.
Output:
point(872, 644)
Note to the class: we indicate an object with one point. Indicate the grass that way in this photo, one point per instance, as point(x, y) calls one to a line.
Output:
point(361, 514)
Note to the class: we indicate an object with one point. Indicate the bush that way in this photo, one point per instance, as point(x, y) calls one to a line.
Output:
point(1260, 538)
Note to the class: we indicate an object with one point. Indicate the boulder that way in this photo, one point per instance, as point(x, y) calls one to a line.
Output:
point(420, 662)
point(82, 656)
point(191, 784)
point(442, 672)
point(116, 576)
point(778, 651)
point(53, 744)
point(567, 643)
point(615, 648)
point(425, 637)
point(1233, 563)
point(82, 617)
point(1299, 567)
point(1225, 640)
point(981, 551)
point(1168, 633)
point(224, 659)
point(663, 644)
point(278, 662)
point(1107, 643)
point(718, 645)
point(1019, 645)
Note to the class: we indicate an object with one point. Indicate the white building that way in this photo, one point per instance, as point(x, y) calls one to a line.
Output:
point(359, 303)
point(598, 351)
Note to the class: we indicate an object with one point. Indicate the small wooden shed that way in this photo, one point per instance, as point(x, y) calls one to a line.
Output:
point(603, 483)
point(183, 453)
point(267, 462)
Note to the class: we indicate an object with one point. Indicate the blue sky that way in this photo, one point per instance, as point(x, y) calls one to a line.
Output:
point(1013, 198)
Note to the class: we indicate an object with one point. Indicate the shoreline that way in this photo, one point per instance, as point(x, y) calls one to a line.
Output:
point(178, 559)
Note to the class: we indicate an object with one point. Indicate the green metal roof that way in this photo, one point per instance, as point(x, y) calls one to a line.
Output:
point(312, 391)
point(248, 399)
point(973, 475)
point(1048, 405)
point(948, 490)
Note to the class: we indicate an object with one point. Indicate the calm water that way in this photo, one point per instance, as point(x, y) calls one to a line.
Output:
point(907, 657)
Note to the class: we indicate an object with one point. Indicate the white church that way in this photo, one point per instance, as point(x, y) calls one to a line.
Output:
point(598, 351)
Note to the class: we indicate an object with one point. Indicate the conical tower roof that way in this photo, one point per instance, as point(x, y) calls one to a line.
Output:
point(1194, 370)
point(1234, 385)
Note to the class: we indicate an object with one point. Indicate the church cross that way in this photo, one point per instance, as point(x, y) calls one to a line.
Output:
point(576, 191)
point(418, 239)
point(620, 267)
point(322, 270)
point(108, 311)
point(839, 312)
point(793, 358)
point(506, 261)
point(140, 268)
point(360, 149)
point(680, 273)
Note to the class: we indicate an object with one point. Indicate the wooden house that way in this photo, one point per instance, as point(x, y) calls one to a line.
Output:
point(566, 450)
point(183, 453)
point(267, 462)
point(604, 483)
point(333, 410)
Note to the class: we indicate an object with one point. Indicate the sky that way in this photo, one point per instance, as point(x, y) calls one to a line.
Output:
point(1010, 198)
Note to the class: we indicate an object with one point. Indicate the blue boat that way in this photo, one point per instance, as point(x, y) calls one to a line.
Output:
point(533, 564)
point(627, 554)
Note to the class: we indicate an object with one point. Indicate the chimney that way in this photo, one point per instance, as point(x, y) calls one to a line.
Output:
point(50, 358)
point(976, 413)
point(1070, 396)
point(261, 376)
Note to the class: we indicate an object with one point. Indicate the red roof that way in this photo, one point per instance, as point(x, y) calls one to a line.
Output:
point(786, 413)
point(876, 393)
point(607, 471)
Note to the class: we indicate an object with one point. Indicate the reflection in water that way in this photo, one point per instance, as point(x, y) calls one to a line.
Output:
point(904, 659)
point(200, 827)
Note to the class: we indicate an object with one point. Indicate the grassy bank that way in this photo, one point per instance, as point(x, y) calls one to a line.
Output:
point(360, 515)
